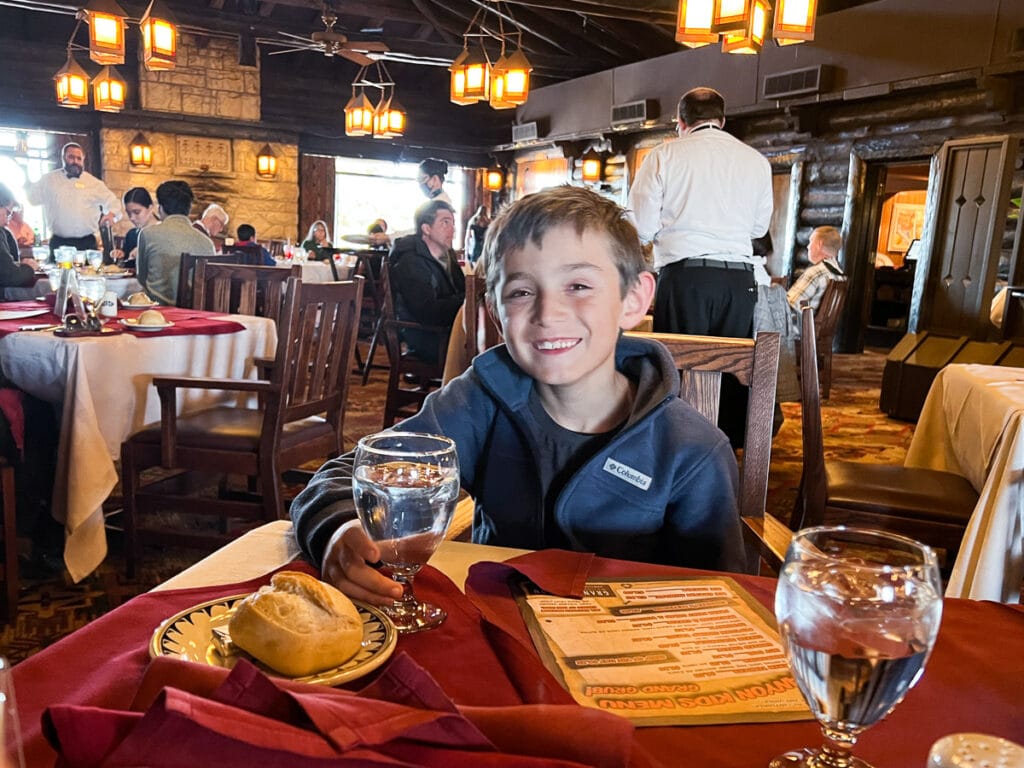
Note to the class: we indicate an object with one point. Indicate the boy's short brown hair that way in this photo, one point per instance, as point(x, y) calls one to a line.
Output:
point(529, 218)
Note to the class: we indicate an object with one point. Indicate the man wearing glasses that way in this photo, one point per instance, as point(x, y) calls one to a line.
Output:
point(75, 202)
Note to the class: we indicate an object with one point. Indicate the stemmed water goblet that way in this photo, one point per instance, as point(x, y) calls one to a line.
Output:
point(858, 612)
point(405, 486)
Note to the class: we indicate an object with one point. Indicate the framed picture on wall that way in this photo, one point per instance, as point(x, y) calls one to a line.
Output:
point(905, 226)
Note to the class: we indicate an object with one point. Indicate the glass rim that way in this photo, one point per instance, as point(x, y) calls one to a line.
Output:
point(928, 556)
point(364, 444)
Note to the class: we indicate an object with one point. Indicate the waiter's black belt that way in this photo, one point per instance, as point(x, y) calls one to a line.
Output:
point(716, 264)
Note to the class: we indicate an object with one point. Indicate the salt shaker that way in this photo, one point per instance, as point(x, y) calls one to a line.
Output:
point(108, 304)
point(975, 750)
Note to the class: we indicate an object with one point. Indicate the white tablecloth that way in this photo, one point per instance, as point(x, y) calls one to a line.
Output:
point(971, 425)
point(105, 386)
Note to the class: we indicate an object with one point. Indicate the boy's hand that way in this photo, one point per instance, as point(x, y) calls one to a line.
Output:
point(347, 566)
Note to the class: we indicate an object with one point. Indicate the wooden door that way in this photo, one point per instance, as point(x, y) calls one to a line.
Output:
point(967, 236)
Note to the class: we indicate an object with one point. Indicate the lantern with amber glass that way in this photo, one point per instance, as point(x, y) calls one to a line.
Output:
point(478, 77)
point(693, 23)
point(106, 31)
point(159, 37)
point(140, 153)
point(388, 119)
point(72, 84)
point(266, 163)
point(358, 115)
point(457, 91)
point(794, 21)
point(494, 179)
point(592, 167)
point(108, 90)
point(499, 73)
point(517, 77)
point(750, 39)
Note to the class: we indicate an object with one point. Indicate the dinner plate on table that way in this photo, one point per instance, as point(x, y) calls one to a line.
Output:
point(151, 305)
point(134, 324)
point(18, 314)
point(115, 275)
point(189, 636)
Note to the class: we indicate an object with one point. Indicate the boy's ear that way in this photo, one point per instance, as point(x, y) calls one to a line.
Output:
point(637, 301)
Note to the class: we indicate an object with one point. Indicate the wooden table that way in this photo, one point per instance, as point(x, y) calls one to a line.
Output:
point(104, 388)
point(482, 656)
point(971, 425)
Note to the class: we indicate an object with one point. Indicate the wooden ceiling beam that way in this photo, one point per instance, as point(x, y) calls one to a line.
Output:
point(435, 22)
point(647, 16)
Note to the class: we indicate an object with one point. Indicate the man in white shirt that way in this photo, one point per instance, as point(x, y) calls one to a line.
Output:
point(701, 199)
point(74, 201)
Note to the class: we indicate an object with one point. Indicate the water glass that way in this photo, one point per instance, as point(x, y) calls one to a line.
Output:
point(53, 276)
point(95, 258)
point(65, 256)
point(41, 253)
point(78, 258)
point(12, 749)
point(91, 289)
point(405, 487)
point(858, 613)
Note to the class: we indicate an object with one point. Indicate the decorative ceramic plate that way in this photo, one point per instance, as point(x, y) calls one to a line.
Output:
point(135, 325)
point(189, 635)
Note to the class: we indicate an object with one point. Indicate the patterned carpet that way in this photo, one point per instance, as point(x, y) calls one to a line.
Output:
point(854, 429)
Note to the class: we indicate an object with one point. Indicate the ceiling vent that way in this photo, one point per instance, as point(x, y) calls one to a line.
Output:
point(633, 112)
point(798, 82)
point(524, 132)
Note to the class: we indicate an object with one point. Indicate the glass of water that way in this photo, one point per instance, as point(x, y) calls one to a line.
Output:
point(858, 612)
point(95, 258)
point(405, 486)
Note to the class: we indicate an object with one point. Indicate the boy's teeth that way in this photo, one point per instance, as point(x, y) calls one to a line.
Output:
point(555, 344)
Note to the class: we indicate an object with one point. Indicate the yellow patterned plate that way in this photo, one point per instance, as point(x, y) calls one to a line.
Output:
point(189, 636)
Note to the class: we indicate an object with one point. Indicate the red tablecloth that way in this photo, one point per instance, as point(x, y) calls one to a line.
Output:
point(484, 658)
point(186, 321)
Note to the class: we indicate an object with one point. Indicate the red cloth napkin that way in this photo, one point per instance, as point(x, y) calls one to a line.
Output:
point(12, 326)
point(187, 322)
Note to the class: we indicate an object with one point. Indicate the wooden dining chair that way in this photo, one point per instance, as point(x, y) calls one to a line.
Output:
point(187, 268)
point(924, 504)
point(9, 533)
point(473, 330)
point(701, 361)
point(410, 379)
point(241, 289)
point(826, 320)
point(300, 419)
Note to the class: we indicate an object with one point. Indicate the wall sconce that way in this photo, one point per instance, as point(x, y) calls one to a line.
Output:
point(266, 163)
point(358, 115)
point(159, 37)
point(494, 179)
point(592, 167)
point(108, 91)
point(693, 24)
point(794, 21)
point(72, 84)
point(106, 21)
point(749, 39)
point(140, 153)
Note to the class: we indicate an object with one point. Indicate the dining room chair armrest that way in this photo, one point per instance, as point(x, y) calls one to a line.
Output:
point(773, 538)
point(232, 385)
point(263, 366)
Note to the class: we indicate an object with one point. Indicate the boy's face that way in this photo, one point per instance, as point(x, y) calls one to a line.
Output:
point(560, 307)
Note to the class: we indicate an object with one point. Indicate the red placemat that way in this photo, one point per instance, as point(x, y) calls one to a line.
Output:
point(187, 322)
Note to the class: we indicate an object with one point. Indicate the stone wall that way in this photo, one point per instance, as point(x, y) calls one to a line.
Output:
point(270, 205)
point(207, 81)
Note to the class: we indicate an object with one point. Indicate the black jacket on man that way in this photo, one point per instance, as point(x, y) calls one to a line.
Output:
point(426, 291)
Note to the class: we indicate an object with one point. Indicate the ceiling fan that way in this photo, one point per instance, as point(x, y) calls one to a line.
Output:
point(332, 43)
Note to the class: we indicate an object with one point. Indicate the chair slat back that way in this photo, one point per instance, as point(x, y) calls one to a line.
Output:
point(826, 318)
point(316, 342)
point(701, 361)
point(810, 509)
point(241, 289)
point(481, 332)
point(187, 269)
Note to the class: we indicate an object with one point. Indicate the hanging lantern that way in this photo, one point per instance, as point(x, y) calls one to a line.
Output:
point(693, 23)
point(358, 115)
point(106, 31)
point(592, 167)
point(72, 84)
point(388, 119)
point(457, 91)
point(751, 38)
point(266, 163)
point(494, 179)
point(478, 77)
point(159, 37)
point(108, 90)
point(517, 78)
point(730, 15)
point(794, 21)
point(499, 75)
point(140, 153)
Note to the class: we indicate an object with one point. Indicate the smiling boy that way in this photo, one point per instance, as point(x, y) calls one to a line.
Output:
point(569, 435)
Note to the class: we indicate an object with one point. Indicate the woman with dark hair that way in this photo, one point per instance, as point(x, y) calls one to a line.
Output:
point(431, 179)
point(12, 275)
point(138, 204)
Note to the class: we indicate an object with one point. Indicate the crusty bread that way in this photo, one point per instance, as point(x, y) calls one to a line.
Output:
point(297, 625)
point(139, 298)
point(152, 317)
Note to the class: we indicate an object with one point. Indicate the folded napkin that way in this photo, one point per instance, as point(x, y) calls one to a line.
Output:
point(185, 712)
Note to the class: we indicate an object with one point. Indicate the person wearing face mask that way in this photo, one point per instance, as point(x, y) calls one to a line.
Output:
point(75, 202)
point(138, 204)
point(431, 179)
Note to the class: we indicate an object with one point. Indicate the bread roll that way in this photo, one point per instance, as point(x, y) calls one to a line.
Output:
point(297, 625)
point(152, 317)
point(139, 298)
